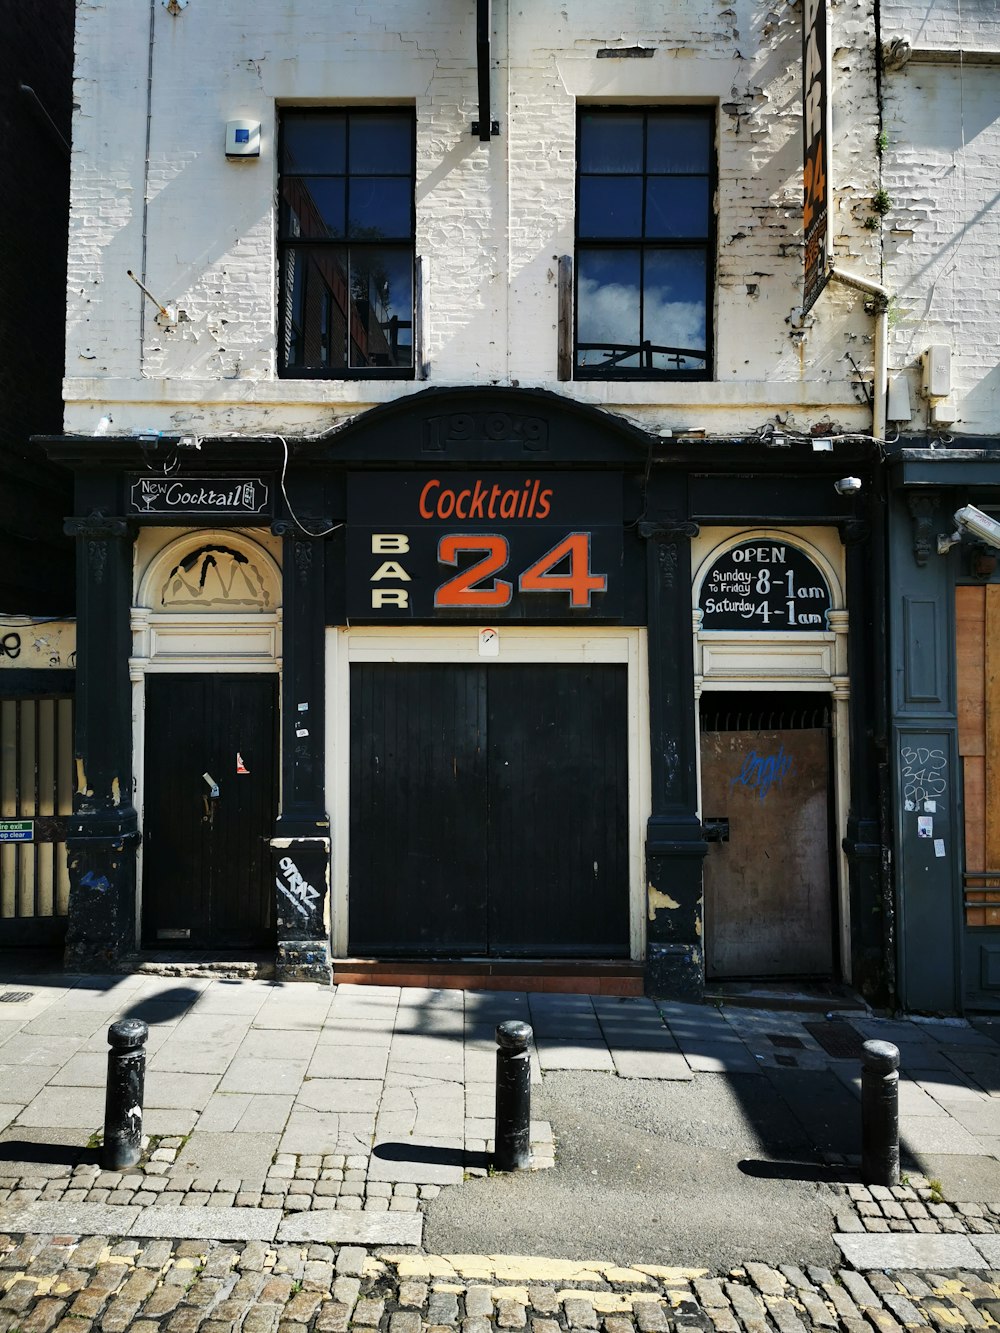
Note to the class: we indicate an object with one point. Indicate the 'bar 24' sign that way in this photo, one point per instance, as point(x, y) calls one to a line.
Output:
point(764, 585)
point(518, 546)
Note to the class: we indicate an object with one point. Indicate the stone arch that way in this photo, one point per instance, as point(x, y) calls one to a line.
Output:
point(211, 571)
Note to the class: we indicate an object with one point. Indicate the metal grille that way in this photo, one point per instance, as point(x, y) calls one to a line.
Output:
point(742, 712)
point(15, 996)
point(36, 783)
point(838, 1039)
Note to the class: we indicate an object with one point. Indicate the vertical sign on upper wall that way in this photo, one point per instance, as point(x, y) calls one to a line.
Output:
point(816, 147)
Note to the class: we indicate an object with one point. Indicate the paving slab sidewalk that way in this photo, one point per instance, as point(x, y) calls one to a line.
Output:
point(304, 1099)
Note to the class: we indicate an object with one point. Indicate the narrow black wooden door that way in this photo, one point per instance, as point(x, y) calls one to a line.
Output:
point(489, 810)
point(418, 809)
point(558, 798)
point(207, 879)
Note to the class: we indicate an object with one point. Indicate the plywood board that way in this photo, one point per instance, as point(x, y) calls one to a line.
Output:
point(974, 785)
point(767, 889)
point(970, 641)
point(992, 695)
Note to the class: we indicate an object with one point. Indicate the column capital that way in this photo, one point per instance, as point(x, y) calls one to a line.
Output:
point(96, 526)
point(668, 530)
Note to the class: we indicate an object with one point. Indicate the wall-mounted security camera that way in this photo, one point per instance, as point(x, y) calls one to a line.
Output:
point(971, 522)
point(978, 525)
point(847, 485)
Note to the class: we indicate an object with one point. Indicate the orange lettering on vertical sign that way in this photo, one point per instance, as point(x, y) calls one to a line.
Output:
point(816, 150)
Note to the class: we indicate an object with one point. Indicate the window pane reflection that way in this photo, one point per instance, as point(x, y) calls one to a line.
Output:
point(382, 305)
point(610, 143)
point(645, 231)
point(677, 206)
point(674, 308)
point(312, 206)
point(380, 208)
point(607, 301)
point(314, 319)
point(678, 143)
point(346, 241)
point(314, 144)
point(381, 143)
point(610, 206)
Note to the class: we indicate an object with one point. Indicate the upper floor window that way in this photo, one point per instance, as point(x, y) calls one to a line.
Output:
point(346, 243)
point(644, 243)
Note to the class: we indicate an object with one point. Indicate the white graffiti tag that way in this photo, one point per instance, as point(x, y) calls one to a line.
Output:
point(301, 895)
point(923, 774)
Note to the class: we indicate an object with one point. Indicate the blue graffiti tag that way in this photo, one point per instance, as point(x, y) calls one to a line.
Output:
point(763, 771)
point(91, 881)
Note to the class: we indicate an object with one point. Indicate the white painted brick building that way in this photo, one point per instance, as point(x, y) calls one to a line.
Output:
point(491, 219)
point(941, 115)
point(551, 732)
point(942, 233)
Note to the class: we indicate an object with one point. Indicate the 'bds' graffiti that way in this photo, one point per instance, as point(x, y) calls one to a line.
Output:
point(762, 772)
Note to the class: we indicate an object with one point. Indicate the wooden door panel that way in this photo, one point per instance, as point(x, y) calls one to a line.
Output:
point(768, 910)
point(418, 809)
point(242, 723)
point(175, 902)
point(206, 861)
point(558, 811)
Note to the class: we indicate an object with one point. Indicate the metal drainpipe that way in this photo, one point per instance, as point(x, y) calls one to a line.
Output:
point(145, 180)
point(880, 389)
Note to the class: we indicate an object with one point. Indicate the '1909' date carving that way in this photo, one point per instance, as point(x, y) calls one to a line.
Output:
point(485, 428)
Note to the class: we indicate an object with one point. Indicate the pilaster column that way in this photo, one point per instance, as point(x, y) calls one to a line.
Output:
point(102, 833)
point(301, 842)
point(675, 847)
point(870, 886)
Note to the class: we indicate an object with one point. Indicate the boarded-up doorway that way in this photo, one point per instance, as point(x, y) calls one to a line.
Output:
point(765, 772)
point(489, 810)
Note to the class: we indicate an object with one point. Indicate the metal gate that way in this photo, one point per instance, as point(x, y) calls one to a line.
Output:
point(766, 803)
point(489, 810)
point(210, 798)
point(36, 796)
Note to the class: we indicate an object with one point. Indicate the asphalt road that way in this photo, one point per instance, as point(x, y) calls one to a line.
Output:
point(708, 1173)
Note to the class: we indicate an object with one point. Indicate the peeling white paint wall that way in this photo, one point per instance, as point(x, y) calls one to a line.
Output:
point(491, 219)
point(942, 234)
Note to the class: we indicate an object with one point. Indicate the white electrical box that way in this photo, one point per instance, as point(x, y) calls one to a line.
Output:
point(243, 138)
point(937, 371)
point(899, 400)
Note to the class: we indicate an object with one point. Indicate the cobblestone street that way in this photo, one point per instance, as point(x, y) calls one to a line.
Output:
point(73, 1285)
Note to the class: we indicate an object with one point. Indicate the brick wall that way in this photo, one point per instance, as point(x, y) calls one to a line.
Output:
point(942, 121)
point(491, 219)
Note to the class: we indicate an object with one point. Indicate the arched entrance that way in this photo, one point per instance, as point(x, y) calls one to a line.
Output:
point(771, 663)
point(205, 676)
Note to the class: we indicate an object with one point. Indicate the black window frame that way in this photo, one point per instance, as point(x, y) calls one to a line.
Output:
point(706, 246)
point(348, 245)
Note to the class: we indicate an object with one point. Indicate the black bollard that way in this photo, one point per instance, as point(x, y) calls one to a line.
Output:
point(880, 1113)
point(123, 1101)
point(512, 1131)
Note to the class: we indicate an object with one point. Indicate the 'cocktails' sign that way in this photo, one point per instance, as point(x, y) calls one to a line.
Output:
point(503, 545)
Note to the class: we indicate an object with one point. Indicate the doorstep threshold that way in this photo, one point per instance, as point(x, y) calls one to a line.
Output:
point(619, 977)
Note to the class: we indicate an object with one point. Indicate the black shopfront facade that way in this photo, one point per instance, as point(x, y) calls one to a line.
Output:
point(479, 735)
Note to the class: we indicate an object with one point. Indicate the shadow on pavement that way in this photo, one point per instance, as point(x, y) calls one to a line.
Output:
point(430, 1154)
point(765, 1170)
point(27, 1152)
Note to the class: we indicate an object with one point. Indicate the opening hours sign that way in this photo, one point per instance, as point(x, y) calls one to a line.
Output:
point(763, 587)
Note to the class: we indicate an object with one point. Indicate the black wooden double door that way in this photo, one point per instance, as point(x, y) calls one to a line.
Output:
point(489, 810)
point(210, 796)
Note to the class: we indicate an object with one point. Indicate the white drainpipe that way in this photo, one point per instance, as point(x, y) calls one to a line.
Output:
point(880, 389)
